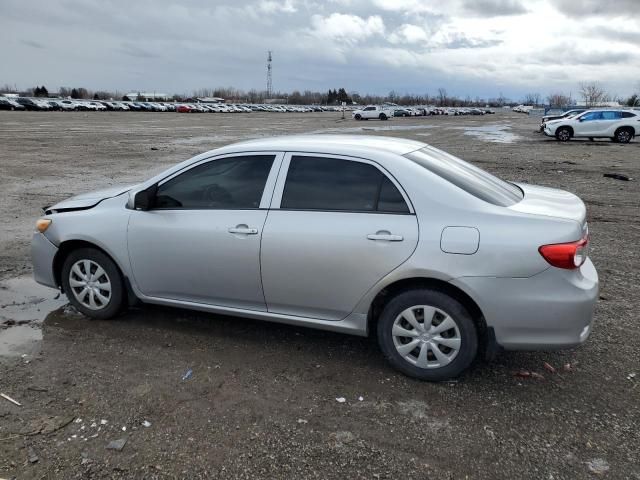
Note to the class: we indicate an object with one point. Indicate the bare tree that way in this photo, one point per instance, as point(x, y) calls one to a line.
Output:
point(532, 99)
point(558, 100)
point(592, 93)
point(442, 96)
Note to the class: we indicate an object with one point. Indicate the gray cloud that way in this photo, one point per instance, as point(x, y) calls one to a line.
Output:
point(32, 43)
point(607, 8)
point(462, 41)
point(571, 55)
point(626, 36)
point(495, 8)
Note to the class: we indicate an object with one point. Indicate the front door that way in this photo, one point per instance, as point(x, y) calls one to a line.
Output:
point(200, 242)
point(342, 224)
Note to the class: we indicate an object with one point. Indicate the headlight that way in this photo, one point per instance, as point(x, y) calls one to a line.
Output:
point(42, 224)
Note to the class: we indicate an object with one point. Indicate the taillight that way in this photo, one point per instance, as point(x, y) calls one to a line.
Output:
point(566, 255)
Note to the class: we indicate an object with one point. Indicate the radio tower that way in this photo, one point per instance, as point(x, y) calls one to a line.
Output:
point(269, 85)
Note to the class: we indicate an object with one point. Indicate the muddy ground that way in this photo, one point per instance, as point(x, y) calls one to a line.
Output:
point(261, 399)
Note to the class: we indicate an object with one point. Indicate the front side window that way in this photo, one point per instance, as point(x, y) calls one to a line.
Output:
point(331, 184)
point(591, 116)
point(228, 183)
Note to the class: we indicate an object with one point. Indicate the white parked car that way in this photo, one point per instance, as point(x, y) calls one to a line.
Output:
point(374, 111)
point(618, 125)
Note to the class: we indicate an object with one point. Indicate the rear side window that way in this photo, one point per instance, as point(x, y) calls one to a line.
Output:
point(330, 184)
point(628, 114)
point(611, 115)
point(228, 183)
point(471, 179)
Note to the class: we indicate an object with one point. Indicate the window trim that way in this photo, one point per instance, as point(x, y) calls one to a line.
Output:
point(284, 171)
point(269, 185)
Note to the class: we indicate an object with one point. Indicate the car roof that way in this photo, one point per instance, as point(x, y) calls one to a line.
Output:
point(328, 143)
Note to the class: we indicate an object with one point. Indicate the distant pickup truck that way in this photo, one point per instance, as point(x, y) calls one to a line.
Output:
point(373, 111)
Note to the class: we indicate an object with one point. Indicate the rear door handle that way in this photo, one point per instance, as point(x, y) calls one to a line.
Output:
point(243, 230)
point(384, 235)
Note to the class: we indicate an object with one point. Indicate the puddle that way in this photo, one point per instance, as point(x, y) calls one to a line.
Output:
point(375, 128)
point(23, 307)
point(491, 133)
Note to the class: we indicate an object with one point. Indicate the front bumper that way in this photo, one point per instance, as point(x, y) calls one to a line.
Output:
point(548, 132)
point(42, 254)
point(551, 310)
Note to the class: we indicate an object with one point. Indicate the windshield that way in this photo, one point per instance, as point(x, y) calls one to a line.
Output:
point(471, 179)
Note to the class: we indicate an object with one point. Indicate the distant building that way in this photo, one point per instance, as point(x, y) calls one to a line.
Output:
point(145, 96)
point(582, 103)
point(210, 100)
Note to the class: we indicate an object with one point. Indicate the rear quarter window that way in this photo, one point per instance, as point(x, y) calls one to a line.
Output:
point(471, 179)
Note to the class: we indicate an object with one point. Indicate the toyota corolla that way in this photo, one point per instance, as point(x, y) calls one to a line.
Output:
point(355, 234)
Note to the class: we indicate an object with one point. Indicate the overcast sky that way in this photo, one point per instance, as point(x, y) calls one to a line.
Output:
point(475, 47)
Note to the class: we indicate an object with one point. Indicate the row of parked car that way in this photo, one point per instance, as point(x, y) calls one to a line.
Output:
point(46, 104)
point(423, 111)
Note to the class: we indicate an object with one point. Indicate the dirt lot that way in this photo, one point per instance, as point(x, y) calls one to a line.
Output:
point(261, 400)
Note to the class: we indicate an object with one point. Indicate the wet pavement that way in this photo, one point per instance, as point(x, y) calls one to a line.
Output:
point(23, 306)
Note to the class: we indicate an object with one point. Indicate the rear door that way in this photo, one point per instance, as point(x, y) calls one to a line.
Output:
point(337, 225)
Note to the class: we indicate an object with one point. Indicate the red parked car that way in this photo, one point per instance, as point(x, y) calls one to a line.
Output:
point(183, 109)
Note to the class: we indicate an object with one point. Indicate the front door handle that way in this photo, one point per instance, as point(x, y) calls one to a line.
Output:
point(385, 235)
point(243, 229)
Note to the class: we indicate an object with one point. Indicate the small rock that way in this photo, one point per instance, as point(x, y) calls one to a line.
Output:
point(146, 424)
point(302, 420)
point(599, 466)
point(32, 456)
point(117, 444)
point(341, 399)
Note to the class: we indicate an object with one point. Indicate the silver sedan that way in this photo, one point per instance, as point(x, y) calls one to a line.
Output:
point(354, 234)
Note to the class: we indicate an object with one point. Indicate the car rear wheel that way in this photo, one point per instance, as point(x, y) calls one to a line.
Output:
point(93, 283)
point(382, 116)
point(563, 134)
point(623, 135)
point(428, 335)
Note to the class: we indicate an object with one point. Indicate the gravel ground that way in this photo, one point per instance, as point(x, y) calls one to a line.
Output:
point(261, 399)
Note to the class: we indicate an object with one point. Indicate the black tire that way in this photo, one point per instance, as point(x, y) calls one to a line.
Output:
point(591, 139)
point(623, 135)
point(563, 134)
point(358, 116)
point(118, 294)
point(454, 309)
point(382, 116)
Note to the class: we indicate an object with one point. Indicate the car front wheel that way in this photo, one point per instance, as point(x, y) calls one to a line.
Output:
point(428, 335)
point(357, 116)
point(93, 283)
point(563, 134)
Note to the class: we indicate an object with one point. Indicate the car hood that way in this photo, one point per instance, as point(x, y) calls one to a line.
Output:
point(550, 202)
point(88, 200)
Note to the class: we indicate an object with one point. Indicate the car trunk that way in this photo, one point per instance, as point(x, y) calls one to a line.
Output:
point(551, 202)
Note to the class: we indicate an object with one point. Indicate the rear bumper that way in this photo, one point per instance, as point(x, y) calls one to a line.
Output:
point(551, 310)
point(42, 254)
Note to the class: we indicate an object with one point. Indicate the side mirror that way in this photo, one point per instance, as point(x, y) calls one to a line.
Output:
point(144, 198)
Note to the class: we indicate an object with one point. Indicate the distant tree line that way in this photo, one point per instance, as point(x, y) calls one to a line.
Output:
point(591, 93)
